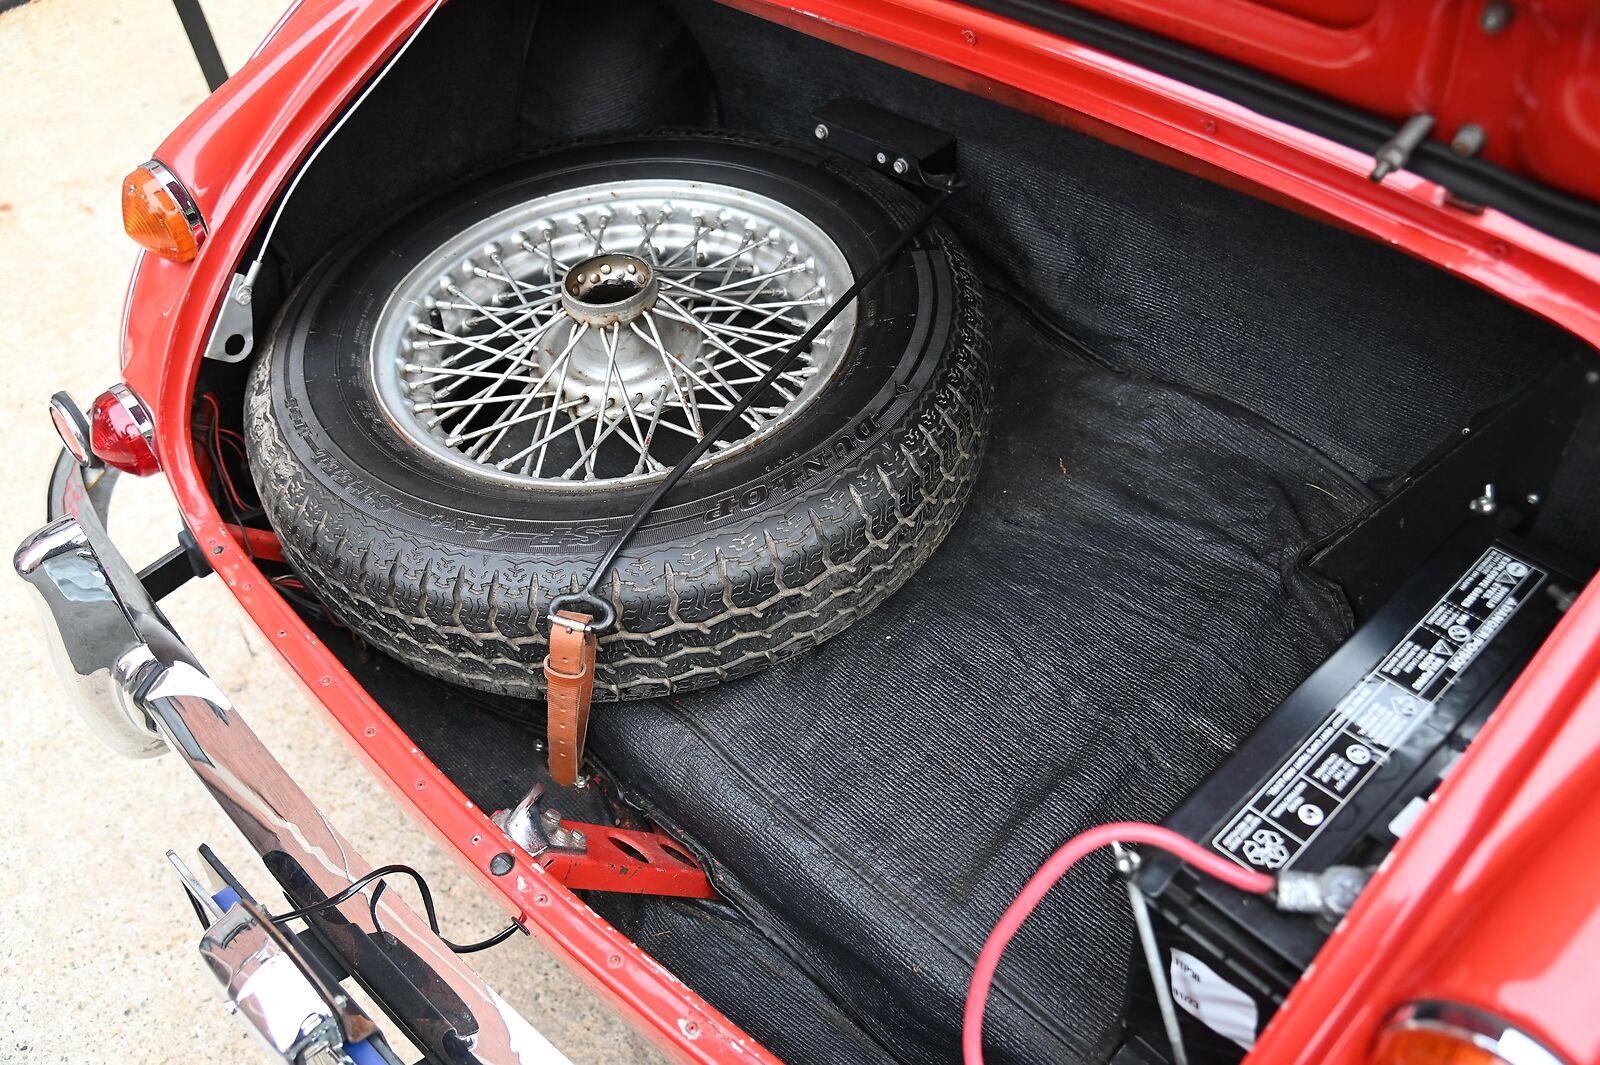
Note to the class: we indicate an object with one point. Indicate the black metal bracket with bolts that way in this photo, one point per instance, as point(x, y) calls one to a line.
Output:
point(914, 153)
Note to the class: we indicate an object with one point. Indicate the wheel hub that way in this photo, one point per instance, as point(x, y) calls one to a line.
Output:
point(609, 289)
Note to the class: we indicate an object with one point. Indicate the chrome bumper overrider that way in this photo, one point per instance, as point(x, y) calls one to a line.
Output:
point(140, 689)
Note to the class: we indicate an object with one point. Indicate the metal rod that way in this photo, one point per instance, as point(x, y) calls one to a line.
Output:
point(1128, 865)
point(200, 39)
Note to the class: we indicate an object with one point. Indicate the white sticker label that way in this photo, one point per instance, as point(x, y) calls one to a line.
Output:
point(1374, 718)
point(1219, 1005)
point(1401, 823)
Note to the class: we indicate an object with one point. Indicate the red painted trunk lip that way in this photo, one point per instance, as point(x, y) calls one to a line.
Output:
point(239, 148)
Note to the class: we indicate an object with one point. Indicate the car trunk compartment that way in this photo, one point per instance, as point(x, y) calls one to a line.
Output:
point(1196, 392)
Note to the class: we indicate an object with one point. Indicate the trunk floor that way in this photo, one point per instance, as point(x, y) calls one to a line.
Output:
point(1119, 605)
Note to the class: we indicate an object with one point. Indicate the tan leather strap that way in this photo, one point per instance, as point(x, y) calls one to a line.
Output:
point(569, 674)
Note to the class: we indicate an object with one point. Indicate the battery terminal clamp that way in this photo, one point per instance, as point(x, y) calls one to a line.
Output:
point(1328, 894)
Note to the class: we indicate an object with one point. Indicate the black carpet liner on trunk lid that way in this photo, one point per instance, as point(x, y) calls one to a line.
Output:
point(1119, 605)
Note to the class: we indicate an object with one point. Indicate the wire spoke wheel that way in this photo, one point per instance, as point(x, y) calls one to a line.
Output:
point(592, 337)
point(455, 413)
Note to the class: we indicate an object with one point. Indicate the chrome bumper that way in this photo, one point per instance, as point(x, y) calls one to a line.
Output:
point(138, 686)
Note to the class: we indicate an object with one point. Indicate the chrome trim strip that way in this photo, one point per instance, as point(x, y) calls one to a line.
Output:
point(180, 196)
point(115, 644)
point(137, 411)
point(1469, 1024)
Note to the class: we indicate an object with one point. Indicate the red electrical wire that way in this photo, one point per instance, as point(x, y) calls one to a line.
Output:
point(220, 436)
point(1054, 868)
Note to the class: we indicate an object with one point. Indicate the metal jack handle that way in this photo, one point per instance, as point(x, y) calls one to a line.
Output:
point(1128, 866)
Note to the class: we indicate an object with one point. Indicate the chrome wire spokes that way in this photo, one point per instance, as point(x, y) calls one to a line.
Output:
point(592, 337)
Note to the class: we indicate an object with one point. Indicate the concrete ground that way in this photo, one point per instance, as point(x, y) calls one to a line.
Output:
point(97, 945)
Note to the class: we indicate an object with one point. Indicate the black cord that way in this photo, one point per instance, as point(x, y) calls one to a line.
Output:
point(463, 948)
point(361, 882)
point(589, 595)
point(427, 905)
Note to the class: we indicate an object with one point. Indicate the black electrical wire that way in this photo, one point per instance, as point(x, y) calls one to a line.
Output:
point(465, 948)
point(588, 596)
point(427, 905)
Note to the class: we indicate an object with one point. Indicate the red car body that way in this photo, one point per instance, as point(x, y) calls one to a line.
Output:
point(1490, 900)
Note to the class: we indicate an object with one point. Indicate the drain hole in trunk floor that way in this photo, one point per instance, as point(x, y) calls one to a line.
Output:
point(1117, 608)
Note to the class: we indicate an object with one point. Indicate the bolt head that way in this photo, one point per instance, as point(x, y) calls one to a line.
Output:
point(882, 158)
point(502, 863)
point(821, 131)
point(1468, 140)
point(901, 166)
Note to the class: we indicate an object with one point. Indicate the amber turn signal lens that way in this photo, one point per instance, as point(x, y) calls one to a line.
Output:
point(1443, 1033)
point(1419, 1046)
point(158, 213)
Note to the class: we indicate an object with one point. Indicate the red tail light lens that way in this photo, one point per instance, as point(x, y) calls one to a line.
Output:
point(121, 432)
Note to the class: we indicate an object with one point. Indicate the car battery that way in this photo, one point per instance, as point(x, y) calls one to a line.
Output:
point(1334, 776)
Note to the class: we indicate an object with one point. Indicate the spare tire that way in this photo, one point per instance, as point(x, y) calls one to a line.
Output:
point(455, 415)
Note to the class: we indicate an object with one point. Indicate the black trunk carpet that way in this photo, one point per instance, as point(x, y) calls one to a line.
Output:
point(1120, 604)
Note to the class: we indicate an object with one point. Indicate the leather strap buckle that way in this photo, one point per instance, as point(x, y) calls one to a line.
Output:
point(569, 681)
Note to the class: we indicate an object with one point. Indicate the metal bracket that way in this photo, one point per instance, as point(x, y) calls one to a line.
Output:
point(591, 857)
point(908, 150)
point(233, 338)
point(537, 831)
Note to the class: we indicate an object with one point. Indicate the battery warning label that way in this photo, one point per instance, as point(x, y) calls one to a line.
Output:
point(1373, 718)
